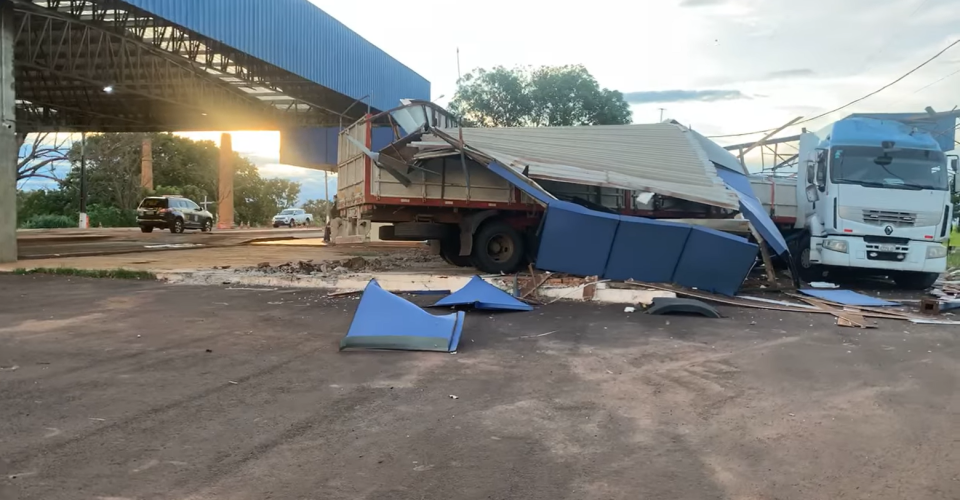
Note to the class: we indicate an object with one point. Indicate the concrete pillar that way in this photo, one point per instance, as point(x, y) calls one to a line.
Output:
point(8, 139)
point(225, 185)
point(146, 164)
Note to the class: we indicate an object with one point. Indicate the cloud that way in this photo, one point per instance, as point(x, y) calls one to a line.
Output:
point(789, 73)
point(701, 3)
point(683, 95)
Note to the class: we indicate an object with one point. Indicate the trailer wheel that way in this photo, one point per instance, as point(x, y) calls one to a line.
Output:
point(450, 253)
point(497, 248)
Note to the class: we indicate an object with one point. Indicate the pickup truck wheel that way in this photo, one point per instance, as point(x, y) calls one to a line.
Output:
point(497, 248)
point(915, 281)
point(146, 229)
point(450, 253)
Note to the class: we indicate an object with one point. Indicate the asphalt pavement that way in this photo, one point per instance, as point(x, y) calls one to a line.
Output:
point(141, 390)
point(67, 243)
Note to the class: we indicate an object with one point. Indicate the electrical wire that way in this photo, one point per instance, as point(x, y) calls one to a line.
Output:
point(851, 103)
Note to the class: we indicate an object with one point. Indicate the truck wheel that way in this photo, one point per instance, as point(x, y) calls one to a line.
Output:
point(801, 255)
point(497, 248)
point(450, 253)
point(915, 281)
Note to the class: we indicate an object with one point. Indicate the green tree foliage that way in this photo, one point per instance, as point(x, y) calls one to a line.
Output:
point(180, 166)
point(549, 96)
point(257, 200)
point(318, 208)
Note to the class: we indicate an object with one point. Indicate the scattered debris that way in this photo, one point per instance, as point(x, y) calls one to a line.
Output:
point(538, 335)
point(629, 309)
point(823, 285)
point(847, 297)
point(482, 295)
point(386, 321)
point(11, 368)
point(666, 305)
point(454, 396)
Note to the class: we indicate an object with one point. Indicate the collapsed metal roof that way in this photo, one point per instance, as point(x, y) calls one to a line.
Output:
point(662, 158)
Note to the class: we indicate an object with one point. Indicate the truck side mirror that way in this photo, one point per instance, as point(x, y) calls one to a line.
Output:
point(954, 161)
point(811, 171)
point(812, 195)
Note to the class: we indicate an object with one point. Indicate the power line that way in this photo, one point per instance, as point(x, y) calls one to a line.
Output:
point(851, 103)
point(936, 82)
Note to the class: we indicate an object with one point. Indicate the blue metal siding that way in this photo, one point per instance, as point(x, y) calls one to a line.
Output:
point(299, 37)
point(316, 147)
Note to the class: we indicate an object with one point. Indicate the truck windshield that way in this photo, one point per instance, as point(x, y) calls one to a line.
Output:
point(288, 212)
point(896, 169)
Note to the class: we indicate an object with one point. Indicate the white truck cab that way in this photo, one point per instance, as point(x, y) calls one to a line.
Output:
point(874, 196)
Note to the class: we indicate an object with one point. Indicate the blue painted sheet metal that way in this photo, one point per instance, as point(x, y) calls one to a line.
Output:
point(482, 295)
point(753, 210)
point(585, 242)
point(847, 297)
point(942, 127)
point(575, 239)
point(386, 321)
point(297, 36)
point(719, 156)
point(715, 261)
point(316, 147)
point(646, 250)
point(522, 183)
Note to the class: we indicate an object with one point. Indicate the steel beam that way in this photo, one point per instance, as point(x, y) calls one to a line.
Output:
point(8, 139)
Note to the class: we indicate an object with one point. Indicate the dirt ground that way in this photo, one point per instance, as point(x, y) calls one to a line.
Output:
point(141, 390)
point(207, 258)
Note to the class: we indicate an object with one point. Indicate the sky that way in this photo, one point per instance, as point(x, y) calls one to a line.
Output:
point(719, 66)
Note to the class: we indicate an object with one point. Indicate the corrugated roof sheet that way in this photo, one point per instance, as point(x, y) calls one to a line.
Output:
point(297, 36)
point(663, 158)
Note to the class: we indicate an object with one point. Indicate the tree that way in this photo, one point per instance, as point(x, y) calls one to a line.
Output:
point(38, 158)
point(318, 208)
point(549, 96)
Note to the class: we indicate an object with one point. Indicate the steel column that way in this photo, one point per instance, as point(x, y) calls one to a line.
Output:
point(8, 138)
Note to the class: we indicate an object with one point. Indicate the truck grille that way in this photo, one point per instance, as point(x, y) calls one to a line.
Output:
point(884, 218)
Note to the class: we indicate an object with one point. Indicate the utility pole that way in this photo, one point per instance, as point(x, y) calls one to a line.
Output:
point(661, 113)
point(84, 223)
point(326, 197)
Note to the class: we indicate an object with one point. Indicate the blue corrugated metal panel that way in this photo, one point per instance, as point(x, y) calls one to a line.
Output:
point(299, 37)
point(317, 146)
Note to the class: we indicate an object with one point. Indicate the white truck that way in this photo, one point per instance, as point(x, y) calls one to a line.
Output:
point(872, 197)
point(292, 217)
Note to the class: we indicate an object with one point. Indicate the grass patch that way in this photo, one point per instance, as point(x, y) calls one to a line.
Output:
point(116, 274)
point(955, 239)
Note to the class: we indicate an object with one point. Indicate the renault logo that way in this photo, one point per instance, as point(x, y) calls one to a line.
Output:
point(888, 230)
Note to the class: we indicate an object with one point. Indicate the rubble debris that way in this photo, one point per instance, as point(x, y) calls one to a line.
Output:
point(482, 295)
point(629, 309)
point(847, 297)
point(386, 321)
point(667, 305)
point(823, 284)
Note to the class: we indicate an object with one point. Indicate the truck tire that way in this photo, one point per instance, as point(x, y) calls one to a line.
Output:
point(915, 281)
point(450, 252)
point(419, 231)
point(801, 255)
point(498, 248)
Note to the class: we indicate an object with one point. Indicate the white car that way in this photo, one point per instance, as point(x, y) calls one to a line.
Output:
point(292, 217)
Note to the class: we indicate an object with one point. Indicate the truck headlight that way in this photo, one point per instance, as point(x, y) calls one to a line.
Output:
point(835, 245)
point(936, 252)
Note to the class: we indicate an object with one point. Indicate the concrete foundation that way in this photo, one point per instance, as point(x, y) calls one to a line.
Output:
point(146, 164)
point(225, 184)
point(8, 139)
